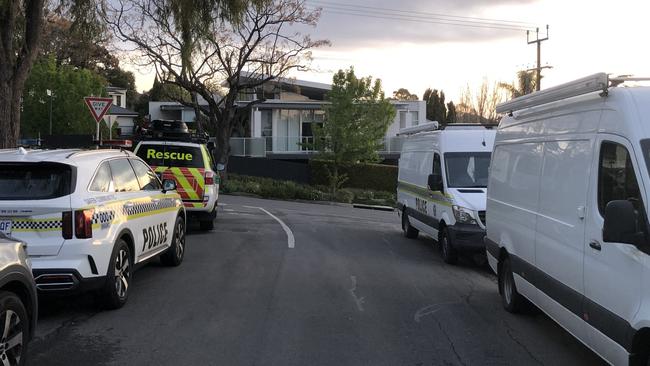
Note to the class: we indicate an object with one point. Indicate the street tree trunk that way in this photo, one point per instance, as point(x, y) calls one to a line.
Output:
point(20, 33)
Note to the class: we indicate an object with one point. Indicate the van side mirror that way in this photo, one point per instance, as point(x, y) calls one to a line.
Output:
point(621, 224)
point(169, 185)
point(434, 182)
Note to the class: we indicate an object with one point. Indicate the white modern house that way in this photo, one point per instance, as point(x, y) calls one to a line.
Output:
point(281, 116)
point(118, 113)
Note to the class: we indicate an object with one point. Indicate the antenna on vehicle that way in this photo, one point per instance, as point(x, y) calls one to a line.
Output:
point(483, 142)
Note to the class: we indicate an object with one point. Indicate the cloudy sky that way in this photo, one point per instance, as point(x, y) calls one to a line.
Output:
point(415, 51)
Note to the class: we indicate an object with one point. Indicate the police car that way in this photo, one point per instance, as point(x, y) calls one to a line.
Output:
point(176, 154)
point(89, 216)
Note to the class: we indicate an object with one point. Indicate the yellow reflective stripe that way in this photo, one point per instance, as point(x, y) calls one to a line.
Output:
point(178, 174)
point(160, 169)
point(39, 230)
point(198, 177)
point(150, 213)
point(207, 160)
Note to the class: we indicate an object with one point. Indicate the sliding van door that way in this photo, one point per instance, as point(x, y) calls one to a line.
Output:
point(559, 247)
point(613, 271)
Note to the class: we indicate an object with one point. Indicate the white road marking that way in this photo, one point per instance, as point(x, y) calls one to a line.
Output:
point(291, 241)
point(228, 210)
point(353, 291)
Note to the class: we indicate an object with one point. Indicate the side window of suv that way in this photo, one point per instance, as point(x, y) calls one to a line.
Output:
point(616, 177)
point(147, 179)
point(123, 176)
point(103, 181)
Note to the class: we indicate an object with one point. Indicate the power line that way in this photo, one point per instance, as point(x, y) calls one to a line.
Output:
point(420, 19)
point(524, 25)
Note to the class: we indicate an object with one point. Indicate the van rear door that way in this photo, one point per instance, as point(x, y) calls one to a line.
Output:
point(33, 197)
point(180, 162)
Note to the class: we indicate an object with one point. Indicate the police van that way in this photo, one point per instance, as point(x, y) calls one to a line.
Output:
point(175, 153)
point(442, 185)
point(568, 200)
point(88, 217)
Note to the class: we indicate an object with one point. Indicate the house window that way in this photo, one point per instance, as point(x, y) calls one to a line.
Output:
point(267, 129)
point(402, 119)
point(414, 118)
point(319, 116)
point(118, 100)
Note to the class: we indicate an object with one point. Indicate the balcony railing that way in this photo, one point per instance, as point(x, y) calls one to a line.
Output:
point(261, 146)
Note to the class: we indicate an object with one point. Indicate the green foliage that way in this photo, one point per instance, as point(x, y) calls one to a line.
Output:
point(451, 113)
point(404, 94)
point(363, 176)
point(271, 188)
point(436, 108)
point(526, 84)
point(357, 119)
point(69, 85)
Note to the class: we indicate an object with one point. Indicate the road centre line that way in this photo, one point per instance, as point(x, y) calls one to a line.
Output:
point(291, 241)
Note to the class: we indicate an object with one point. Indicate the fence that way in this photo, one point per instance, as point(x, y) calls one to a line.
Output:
point(260, 146)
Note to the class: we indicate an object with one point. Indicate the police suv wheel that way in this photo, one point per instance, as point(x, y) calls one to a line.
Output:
point(15, 330)
point(449, 254)
point(409, 231)
point(176, 252)
point(118, 279)
point(511, 299)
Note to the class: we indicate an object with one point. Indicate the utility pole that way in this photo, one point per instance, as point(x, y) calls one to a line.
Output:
point(539, 54)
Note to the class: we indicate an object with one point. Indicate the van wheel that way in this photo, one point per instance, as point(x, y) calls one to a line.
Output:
point(209, 224)
point(118, 279)
point(449, 254)
point(176, 252)
point(15, 330)
point(512, 301)
point(409, 231)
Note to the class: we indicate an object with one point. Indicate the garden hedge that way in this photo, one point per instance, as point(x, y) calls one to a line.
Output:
point(363, 176)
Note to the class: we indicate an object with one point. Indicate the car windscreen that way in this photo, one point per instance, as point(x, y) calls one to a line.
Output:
point(35, 181)
point(171, 155)
point(467, 169)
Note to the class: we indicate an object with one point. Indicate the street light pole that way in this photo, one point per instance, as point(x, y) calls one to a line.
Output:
point(49, 93)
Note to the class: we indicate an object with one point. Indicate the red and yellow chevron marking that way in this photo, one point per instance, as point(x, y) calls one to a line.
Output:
point(190, 181)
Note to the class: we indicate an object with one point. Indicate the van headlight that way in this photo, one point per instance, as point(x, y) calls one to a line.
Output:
point(463, 215)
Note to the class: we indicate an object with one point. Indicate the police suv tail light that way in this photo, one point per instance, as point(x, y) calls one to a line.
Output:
point(209, 177)
point(83, 222)
point(66, 225)
point(463, 215)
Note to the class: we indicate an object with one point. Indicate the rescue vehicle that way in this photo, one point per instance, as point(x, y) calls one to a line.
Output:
point(89, 216)
point(177, 154)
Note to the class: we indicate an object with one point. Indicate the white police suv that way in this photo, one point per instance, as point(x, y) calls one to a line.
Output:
point(88, 217)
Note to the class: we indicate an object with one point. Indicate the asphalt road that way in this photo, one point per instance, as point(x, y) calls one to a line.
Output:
point(352, 291)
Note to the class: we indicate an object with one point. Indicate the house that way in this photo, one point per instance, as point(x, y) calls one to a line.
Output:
point(118, 113)
point(280, 116)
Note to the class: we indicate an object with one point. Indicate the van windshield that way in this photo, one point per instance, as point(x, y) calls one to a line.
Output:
point(467, 169)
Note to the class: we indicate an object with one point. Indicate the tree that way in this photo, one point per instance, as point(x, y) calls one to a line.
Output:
point(68, 85)
point(403, 94)
point(20, 32)
point(357, 118)
point(526, 84)
point(216, 49)
point(480, 107)
point(436, 109)
point(451, 113)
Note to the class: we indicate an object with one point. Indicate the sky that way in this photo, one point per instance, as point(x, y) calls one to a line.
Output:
point(585, 37)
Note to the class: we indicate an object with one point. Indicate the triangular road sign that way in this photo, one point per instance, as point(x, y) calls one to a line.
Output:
point(98, 106)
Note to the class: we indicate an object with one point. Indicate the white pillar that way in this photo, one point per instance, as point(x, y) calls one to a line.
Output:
point(256, 123)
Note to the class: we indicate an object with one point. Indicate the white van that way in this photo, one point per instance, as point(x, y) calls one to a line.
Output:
point(567, 212)
point(442, 187)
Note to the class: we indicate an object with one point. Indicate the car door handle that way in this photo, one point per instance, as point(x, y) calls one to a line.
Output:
point(594, 244)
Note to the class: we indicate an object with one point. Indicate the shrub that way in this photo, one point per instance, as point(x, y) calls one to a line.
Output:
point(364, 176)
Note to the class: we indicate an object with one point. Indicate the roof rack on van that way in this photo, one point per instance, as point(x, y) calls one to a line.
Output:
point(426, 127)
point(597, 82)
point(171, 130)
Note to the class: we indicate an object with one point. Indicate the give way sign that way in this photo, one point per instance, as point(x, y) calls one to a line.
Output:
point(98, 106)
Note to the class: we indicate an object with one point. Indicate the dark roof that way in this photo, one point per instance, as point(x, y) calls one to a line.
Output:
point(111, 88)
point(119, 111)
